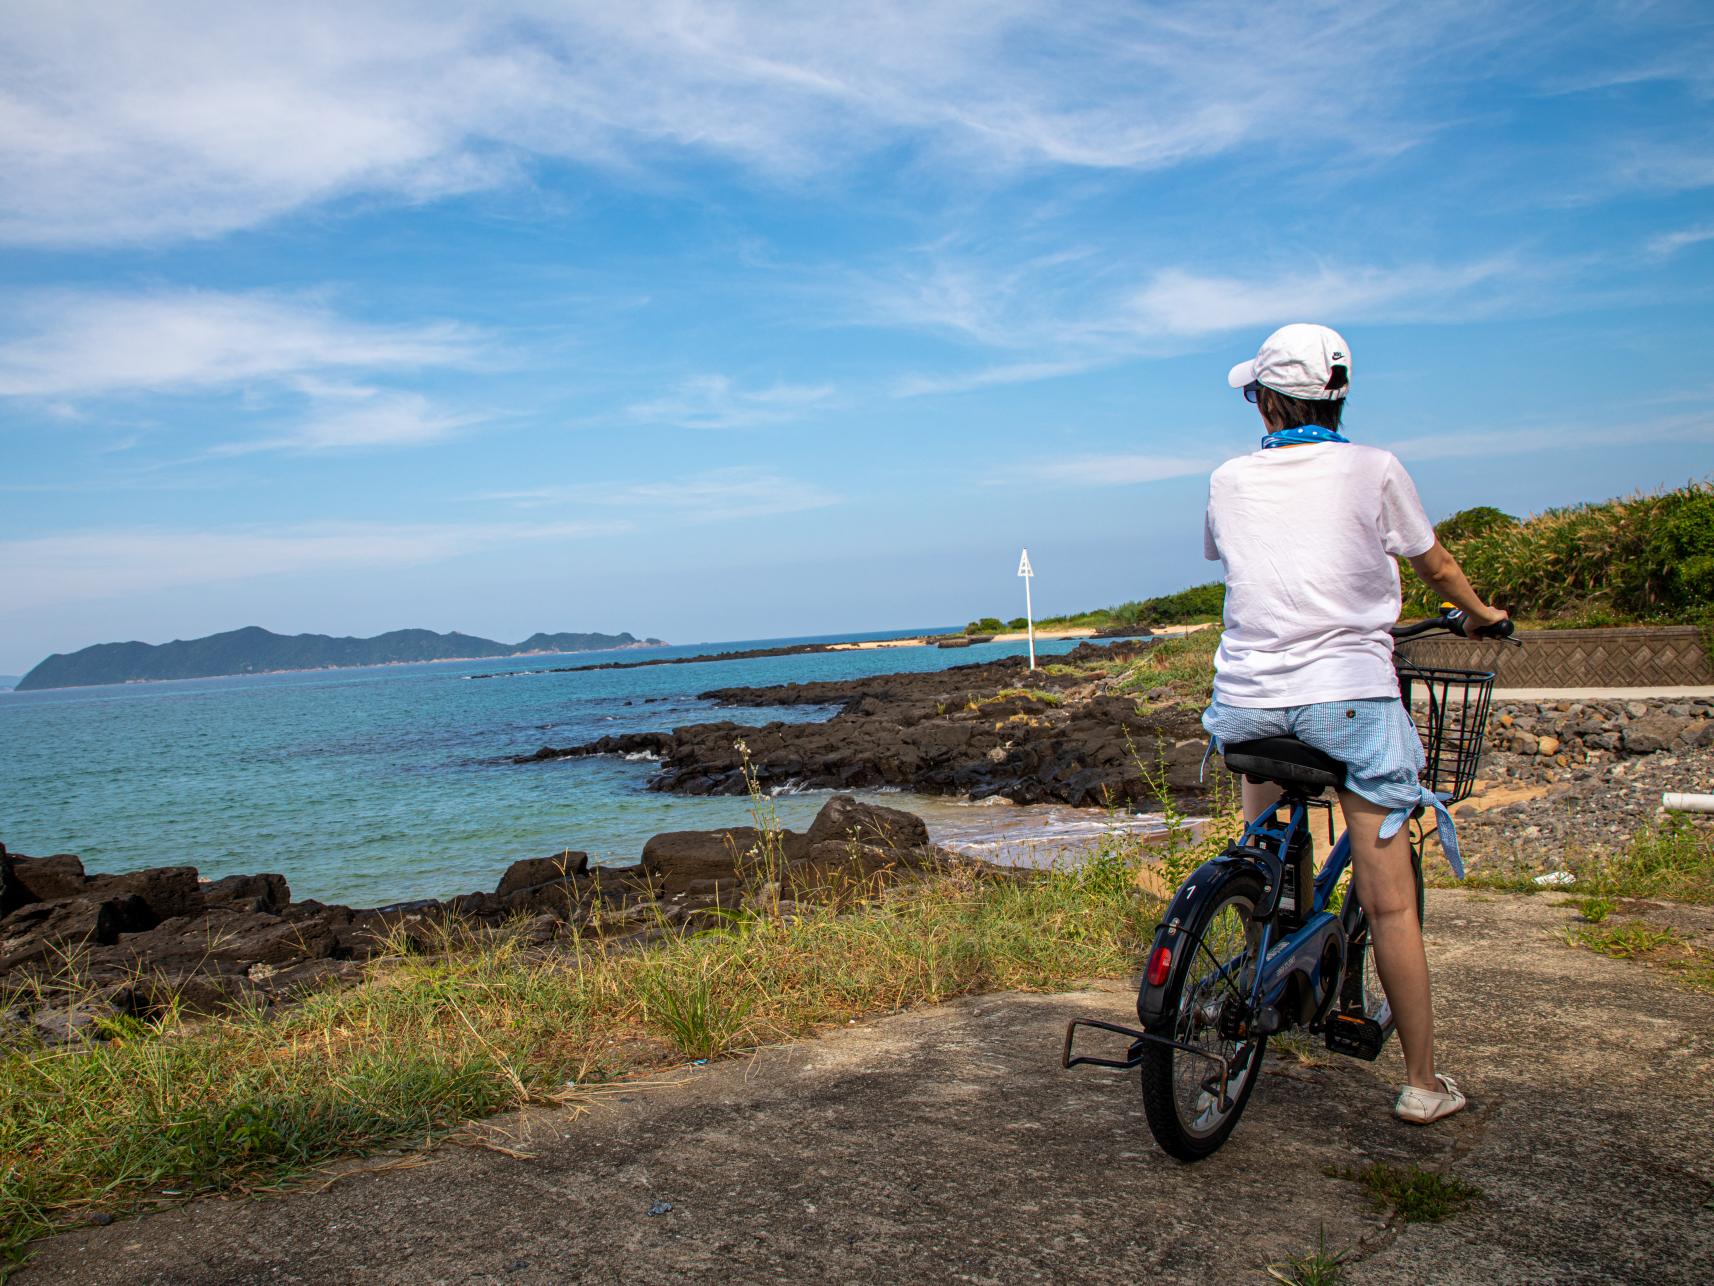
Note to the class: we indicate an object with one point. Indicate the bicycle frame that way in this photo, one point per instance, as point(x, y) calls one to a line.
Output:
point(1316, 947)
point(1304, 950)
point(1297, 966)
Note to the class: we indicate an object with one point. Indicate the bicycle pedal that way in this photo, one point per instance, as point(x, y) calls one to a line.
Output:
point(1356, 1036)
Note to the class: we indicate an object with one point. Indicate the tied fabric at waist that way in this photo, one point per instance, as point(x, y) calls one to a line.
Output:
point(1443, 827)
point(1399, 814)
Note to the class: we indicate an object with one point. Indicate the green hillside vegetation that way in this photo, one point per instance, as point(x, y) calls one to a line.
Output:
point(1645, 559)
point(254, 650)
point(1191, 606)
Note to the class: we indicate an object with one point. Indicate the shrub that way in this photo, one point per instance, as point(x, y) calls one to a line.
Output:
point(1467, 523)
point(1645, 558)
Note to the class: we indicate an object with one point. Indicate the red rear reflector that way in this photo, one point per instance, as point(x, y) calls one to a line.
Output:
point(1160, 964)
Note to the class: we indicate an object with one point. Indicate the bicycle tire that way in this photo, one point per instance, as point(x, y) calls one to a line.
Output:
point(1168, 1073)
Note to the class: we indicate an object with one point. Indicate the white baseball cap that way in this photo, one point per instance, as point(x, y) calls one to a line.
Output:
point(1300, 360)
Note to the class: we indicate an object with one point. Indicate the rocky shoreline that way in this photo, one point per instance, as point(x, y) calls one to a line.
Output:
point(1058, 735)
point(79, 951)
point(796, 649)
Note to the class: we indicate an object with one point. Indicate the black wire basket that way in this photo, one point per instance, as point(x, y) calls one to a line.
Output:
point(1452, 726)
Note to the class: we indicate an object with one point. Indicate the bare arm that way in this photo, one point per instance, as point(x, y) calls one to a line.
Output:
point(1441, 571)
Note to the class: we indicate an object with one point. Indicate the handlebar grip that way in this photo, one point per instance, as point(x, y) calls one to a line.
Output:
point(1499, 630)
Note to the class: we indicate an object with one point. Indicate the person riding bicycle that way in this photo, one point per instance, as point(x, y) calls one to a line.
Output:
point(1308, 529)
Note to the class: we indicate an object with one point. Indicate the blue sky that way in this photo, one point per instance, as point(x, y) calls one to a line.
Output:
point(721, 321)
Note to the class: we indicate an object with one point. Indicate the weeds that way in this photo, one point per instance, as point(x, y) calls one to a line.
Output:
point(1671, 859)
point(1299, 1048)
point(1624, 941)
point(1032, 694)
point(1184, 665)
point(1595, 910)
point(1319, 1267)
point(1181, 847)
point(1411, 1193)
point(479, 1023)
point(1659, 947)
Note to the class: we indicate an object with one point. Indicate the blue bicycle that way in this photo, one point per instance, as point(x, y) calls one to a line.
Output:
point(1253, 943)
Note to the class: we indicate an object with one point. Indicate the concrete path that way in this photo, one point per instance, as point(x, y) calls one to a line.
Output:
point(947, 1145)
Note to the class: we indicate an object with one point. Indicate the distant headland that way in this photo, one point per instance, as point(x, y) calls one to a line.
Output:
point(254, 650)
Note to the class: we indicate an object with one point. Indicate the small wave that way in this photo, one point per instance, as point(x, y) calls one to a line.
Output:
point(643, 757)
point(793, 787)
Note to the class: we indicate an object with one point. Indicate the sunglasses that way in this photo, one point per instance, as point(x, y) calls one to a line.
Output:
point(1252, 391)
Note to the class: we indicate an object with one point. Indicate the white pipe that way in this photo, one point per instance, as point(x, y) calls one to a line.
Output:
point(1688, 803)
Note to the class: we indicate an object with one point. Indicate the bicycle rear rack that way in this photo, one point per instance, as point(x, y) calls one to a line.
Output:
point(1134, 1055)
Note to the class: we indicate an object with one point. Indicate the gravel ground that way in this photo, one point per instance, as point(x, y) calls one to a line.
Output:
point(1585, 809)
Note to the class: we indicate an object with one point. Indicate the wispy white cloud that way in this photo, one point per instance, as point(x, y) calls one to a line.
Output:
point(83, 344)
point(990, 376)
point(363, 418)
point(1668, 244)
point(718, 496)
point(291, 358)
point(1116, 470)
point(1176, 302)
point(1070, 327)
point(1528, 439)
point(715, 402)
point(91, 565)
point(203, 119)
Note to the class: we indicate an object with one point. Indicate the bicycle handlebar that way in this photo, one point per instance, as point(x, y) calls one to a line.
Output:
point(1456, 622)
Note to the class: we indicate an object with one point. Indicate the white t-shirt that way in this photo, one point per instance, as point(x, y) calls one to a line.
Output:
point(1308, 535)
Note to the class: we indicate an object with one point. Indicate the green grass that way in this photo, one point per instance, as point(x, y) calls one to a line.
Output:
point(485, 1023)
point(1410, 1193)
point(1625, 940)
point(1318, 1267)
point(1042, 695)
point(1671, 859)
point(1658, 946)
point(1595, 910)
point(1184, 665)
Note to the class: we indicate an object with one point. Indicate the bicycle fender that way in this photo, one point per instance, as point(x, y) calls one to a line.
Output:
point(1183, 911)
point(1271, 867)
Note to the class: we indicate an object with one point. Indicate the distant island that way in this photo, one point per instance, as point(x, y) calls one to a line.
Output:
point(254, 650)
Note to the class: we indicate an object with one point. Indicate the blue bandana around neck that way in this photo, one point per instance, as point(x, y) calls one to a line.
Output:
point(1299, 436)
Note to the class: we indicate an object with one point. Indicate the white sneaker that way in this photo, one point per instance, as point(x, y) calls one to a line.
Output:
point(1424, 1107)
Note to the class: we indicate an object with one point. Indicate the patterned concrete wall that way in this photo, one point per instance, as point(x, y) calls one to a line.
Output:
point(1635, 657)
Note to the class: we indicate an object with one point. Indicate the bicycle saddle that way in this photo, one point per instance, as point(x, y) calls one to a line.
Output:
point(1285, 760)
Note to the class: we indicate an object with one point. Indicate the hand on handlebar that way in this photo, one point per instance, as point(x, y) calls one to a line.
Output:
point(1453, 621)
point(1497, 626)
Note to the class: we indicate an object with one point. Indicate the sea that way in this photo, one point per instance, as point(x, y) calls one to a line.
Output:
point(391, 783)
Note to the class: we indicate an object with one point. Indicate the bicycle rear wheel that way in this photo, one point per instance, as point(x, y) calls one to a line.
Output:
point(1187, 1113)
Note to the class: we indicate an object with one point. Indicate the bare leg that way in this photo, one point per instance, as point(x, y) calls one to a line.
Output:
point(1258, 797)
point(1387, 886)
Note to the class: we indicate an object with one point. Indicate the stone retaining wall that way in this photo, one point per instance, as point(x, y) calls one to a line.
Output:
point(1630, 657)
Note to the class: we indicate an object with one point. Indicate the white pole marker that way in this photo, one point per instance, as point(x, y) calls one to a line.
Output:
point(1028, 573)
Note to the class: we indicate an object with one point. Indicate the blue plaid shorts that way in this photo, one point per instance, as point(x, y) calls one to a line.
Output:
point(1374, 738)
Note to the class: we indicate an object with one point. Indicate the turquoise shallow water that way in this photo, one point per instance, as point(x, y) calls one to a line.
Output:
point(378, 785)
